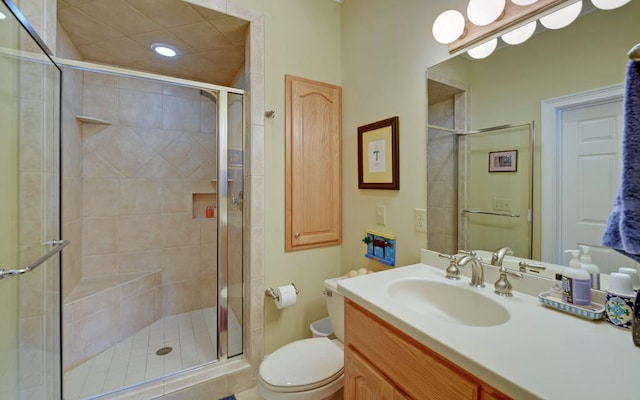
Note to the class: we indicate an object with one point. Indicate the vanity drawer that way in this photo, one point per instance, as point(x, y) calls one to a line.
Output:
point(413, 368)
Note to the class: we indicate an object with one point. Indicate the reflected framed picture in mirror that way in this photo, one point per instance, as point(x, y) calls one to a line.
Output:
point(378, 155)
point(503, 161)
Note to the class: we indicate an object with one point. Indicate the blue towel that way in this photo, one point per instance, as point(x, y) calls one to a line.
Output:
point(622, 232)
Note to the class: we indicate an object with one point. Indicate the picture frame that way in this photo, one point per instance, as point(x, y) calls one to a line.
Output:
point(503, 161)
point(379, 155)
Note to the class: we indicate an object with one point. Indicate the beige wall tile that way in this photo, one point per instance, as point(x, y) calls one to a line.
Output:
point(140, 109)
point(103, 300)
point(138, 312)
point(94, 166)
point(139, 196)
point(99, 197)
point(100, 101)
point(181, 113)
point(140, 85)
point(177, 195)
point(139, 232)
point(139, 285)
point(179, 297)
point(139, 261)
point(125, 151)
point(99, 235)
point(95, 266)
point(180, 230)
point(72, 194)
point(31, 208)
point(180, 263)
point(95, 333)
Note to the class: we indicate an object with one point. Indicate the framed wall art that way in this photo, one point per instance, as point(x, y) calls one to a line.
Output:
point(503, 161)
point(378, 155)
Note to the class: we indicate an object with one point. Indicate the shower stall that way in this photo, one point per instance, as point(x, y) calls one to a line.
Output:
point(145, 176)
point(155, 276)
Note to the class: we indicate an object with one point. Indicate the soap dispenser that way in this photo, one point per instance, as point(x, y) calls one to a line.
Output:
point(592, 269)
point(576, 282)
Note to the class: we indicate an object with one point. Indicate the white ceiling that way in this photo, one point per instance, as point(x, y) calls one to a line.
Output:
point(211, 45)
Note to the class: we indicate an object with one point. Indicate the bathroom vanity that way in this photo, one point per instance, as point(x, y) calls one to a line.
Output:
point(411, 333)
point(383, 362)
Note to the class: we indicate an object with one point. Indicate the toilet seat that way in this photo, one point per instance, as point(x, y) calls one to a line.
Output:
point(302, 365)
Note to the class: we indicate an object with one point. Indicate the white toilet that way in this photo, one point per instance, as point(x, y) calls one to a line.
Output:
point(308, 369)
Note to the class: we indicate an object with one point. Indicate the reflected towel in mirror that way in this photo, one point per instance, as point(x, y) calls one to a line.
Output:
point(622, 232)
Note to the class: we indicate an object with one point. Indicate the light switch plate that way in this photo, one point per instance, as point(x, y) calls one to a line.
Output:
point(381, 215)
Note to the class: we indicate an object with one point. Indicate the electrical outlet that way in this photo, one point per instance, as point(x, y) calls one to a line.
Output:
point(501, 204)
point(420, 219)
point(381, 215)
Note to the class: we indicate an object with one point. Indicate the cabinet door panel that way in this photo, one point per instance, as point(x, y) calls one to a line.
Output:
point(363, 382)
point(413, 368)
point(313, 164)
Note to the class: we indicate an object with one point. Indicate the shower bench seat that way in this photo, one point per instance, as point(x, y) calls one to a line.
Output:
point(102, 311)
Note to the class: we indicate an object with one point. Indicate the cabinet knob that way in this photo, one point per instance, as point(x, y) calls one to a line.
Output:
point(297, 235)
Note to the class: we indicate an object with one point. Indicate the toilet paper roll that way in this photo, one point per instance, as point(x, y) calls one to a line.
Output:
point(286, 296)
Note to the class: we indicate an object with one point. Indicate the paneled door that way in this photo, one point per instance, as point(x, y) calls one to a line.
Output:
point(591, 140)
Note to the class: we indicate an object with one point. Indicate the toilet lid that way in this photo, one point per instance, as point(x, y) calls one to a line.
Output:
point(302, 365)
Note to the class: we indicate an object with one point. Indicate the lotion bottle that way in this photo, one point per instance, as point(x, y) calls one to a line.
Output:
point(576, 282)
point(592, 269)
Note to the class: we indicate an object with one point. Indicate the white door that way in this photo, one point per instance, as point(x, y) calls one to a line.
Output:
point(591, 143)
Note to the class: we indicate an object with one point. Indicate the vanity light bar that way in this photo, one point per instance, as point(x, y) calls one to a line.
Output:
point(513, 16)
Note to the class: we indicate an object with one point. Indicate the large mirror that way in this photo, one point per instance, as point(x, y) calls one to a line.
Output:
point(569, 84)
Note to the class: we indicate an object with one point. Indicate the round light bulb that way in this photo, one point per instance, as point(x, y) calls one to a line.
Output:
point(164, 50)
point(483, 50)
point(448, 27)
point(562, 17)
point(484, 12)
point(609, 4)
point(520, 35)
point(523, 2)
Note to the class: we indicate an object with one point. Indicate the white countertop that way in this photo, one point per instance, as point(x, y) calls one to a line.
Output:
point(539, 353)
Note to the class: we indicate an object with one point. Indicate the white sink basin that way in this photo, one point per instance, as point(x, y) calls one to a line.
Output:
point(456, 304)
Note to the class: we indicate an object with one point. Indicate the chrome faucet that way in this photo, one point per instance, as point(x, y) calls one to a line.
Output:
point(477, 272)
point(498, 255)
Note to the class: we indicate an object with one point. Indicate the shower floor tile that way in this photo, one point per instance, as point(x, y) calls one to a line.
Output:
point(192, 336)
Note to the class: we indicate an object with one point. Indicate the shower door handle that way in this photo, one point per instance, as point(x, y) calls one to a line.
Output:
point(58, 246)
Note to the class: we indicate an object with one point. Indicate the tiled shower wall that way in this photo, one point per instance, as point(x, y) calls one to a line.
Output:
point(139, 176)
point(442, 171)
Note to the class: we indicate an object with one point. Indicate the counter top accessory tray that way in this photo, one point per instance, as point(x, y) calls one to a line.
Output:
point(594, 312)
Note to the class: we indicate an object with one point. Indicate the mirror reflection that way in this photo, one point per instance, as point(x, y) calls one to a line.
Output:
point(569, 84)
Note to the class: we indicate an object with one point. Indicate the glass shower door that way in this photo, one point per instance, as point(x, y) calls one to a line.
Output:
point(496, 189)
point(29, 214)
point(230, 224)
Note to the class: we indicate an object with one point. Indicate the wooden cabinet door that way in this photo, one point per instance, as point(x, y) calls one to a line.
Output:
point(313, 164)
point(363, 382)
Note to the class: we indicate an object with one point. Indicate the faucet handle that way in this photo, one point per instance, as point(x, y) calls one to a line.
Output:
point(503, 286)
point(452, 271)
point(469, 253)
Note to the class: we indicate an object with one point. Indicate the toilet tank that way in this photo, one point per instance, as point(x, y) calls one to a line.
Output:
point(335, 307)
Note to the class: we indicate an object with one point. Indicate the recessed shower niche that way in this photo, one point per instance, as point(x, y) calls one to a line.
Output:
point(201, 202)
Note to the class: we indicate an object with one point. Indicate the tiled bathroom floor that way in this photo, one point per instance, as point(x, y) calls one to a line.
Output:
point(192, 336)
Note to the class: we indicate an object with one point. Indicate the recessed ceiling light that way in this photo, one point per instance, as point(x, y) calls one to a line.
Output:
point(164, 49)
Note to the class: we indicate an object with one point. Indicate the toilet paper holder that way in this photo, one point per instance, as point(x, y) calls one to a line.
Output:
point(271, 293)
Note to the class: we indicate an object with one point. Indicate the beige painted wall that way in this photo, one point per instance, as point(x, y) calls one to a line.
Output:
point(386, 49)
